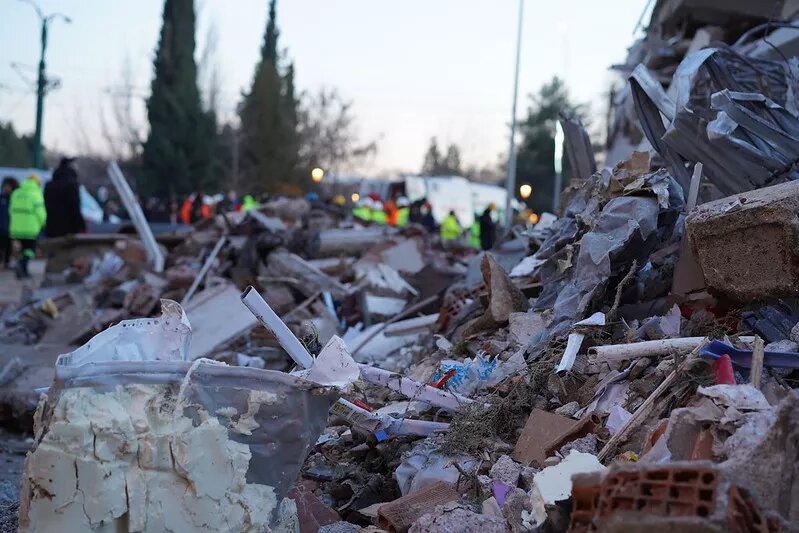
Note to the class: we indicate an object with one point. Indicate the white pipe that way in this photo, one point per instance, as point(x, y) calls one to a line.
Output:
point(636, 350)
point(410, 426)
point(154, 254)
point(413, 389)
point(570, 353)
point(258, 307)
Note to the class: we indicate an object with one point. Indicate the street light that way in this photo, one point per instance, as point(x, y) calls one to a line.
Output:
point(317, 174)
point(42, 82)
point(355, 197)
point(525, 191)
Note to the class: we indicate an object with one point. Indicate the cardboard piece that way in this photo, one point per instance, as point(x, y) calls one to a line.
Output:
point(544, 433)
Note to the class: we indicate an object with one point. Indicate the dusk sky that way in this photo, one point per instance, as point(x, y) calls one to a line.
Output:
point(414, 69)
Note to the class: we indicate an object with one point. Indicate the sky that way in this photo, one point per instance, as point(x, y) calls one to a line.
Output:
point(413, 69)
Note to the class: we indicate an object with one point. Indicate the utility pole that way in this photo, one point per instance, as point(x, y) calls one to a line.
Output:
point(42, 84)
point(510, 182)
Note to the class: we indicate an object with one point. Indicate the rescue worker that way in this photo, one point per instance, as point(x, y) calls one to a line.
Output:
point(391, 212)
point(249, 202)
point(62, 201)
point(378, 213)
point(488, 229)
point(27, 218)
point(361, 210)
point(9, 186)
point(404, 211)
point(428, 221)
point(186, 209)
point(450, 228)
point(474, 232)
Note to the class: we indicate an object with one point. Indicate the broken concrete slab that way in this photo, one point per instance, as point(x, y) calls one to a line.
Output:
point(769, 469)
point(746, 244)
point(217, 317)
point(382, 306)
point(406, 257)
point(454, 517)
point(524, 326)
point(309, 279)
point(504, 298)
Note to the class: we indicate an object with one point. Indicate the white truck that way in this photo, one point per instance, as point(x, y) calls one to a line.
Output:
point(445, 194)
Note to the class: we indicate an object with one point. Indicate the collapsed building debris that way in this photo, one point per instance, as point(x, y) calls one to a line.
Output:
point(631, 363)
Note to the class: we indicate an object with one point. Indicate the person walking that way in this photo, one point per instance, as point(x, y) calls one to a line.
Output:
point(9, 186)
point(27, 219)
point(450, 228)
point(488, 229)
point(62, 201)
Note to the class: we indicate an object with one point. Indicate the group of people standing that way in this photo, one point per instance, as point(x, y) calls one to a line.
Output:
point(399, 212)
point(27, 211)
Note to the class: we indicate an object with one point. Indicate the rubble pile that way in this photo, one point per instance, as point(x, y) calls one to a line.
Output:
point(633, 363)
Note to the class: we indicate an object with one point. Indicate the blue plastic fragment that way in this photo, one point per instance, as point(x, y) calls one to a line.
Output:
point(743, 358)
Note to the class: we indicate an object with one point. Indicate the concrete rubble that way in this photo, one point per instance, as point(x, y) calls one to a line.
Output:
point(629, 363)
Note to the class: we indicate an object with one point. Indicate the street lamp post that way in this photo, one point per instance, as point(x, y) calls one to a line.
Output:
point(510, 182)
point(42, 82)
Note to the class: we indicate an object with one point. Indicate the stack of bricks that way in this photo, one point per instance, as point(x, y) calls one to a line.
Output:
point(681, 490)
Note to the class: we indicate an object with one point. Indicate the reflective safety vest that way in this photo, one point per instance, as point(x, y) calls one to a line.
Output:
point(26, 211)
point(474, 234)
point(403, 215)
point(379, 216)
point(362, 212)
point(249, 203)
point(450, 229)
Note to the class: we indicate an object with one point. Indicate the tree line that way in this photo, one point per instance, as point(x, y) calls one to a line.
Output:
point(280, 135)
point(535, 157)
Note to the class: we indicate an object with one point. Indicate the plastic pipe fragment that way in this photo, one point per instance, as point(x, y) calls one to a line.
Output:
point(413, 389)
point(570, 353)
point(636, 350)
point(383, 425)
point(258, 307)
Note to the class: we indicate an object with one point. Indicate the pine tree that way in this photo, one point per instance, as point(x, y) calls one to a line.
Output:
point(437, 164)
point(452, 162)
point(535, 160)
point(15, 150)
point(268, 116)
point(179, 151)
point(432, 159)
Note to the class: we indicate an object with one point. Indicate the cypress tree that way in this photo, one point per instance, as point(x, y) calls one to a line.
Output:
point(179, 152)
point(269, 147)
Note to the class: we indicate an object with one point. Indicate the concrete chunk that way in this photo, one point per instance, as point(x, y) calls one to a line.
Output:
point(747, 244)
